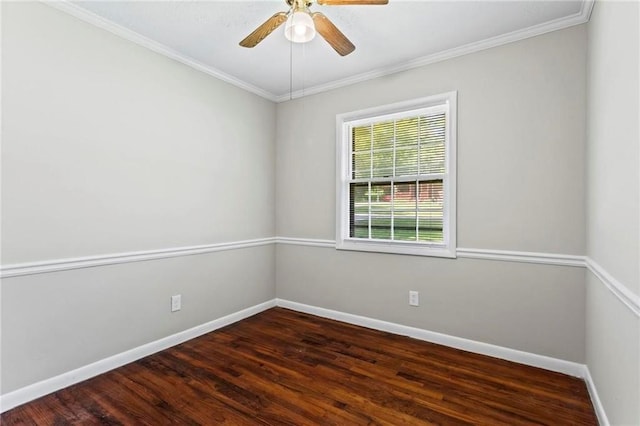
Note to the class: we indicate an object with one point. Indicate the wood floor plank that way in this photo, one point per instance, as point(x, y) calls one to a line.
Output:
point(317, 408)
point(282, 367)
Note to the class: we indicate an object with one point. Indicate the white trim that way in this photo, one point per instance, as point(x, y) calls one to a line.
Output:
point(523, 257)
point(626, 296)
point(554, 25)
point(471, 253)
point(536, 30)
point(548, 363)
point(47, 386)
point(619, 290)
point(595, 399)
point(397, 247)
point(306, 242)
point(436, 104)
point(30, 268)
point(127, 34)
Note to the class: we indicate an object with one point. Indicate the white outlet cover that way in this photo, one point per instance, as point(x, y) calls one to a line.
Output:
point(176, 303)
point(414, 298)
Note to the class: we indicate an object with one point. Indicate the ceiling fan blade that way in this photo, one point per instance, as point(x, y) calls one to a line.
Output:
point(350, 2)
point(332, 34)
point(264, 30)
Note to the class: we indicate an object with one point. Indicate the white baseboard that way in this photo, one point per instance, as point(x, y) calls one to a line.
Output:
point(45, 387)
point(37, 390)
point(595, 399)
point(548, 363)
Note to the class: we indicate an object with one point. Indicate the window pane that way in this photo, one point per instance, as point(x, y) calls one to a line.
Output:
point(432, 128)
point(430, 211)
point(432, 143)
point(361, 152)
point(416, 214)
point(432, 158)
point(383, 134)
point(359, 212)
point(404, 228)
point(361, 138)
point(407, 132)
point(407, 161)
point(404, 211)
point(382, 164)
point(361, 165)
point(381, 211)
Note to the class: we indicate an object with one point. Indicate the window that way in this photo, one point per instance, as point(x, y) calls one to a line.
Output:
point(396, 178)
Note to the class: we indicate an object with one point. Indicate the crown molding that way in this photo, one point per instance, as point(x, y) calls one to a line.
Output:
point(557, 24)
point(127, 34)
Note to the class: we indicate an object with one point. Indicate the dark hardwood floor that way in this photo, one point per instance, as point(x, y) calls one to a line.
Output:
point(281, 367)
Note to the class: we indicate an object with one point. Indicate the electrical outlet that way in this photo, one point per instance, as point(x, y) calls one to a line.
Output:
point(414, 298)
point(176, 302)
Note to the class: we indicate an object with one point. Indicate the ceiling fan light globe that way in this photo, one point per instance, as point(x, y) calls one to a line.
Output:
point(299, 28)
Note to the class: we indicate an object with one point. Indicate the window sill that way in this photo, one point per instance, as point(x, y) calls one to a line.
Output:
point(414, 249)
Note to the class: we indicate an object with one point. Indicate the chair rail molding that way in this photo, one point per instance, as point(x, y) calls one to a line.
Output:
point(522, 256)
point(622, 292)
point(41, 267)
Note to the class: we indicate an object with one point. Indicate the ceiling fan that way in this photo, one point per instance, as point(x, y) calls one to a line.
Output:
point(302, 24)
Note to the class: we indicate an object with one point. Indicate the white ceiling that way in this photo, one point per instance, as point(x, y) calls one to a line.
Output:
point(391, 38)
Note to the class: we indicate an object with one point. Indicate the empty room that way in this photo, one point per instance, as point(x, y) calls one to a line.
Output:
point(331, 212)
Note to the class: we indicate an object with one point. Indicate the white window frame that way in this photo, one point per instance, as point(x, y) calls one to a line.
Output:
point(344, 123)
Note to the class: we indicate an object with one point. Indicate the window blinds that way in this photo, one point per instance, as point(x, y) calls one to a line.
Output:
point(396, 186)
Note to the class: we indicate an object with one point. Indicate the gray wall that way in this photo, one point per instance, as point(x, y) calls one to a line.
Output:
point(107, 148)
point(110, 148)
point(613, 205)
point(521, 130)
